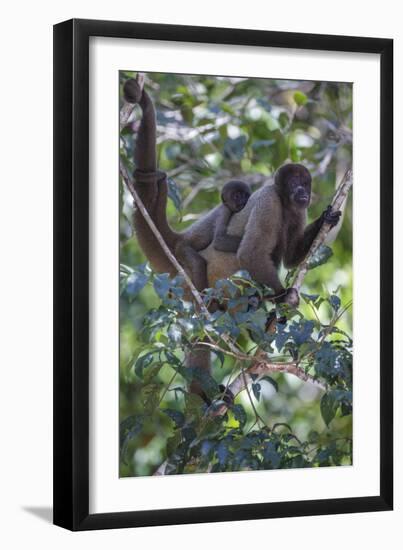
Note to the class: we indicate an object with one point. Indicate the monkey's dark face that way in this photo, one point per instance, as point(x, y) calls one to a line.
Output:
point(235, 195)
point(294, 184)
point(238, 200)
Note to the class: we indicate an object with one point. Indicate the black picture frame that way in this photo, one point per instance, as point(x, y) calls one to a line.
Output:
point(71, 274)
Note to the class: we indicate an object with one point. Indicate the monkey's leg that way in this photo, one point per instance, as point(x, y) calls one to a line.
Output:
point(263, 270)
point(261, 267)
point(221, 240)
point(193, 263)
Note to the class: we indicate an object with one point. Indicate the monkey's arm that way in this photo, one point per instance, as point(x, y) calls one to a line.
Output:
point(256, 253)
point(299, 247)
point(222, 241)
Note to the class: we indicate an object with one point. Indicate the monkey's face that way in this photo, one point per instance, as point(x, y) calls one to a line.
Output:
point(239, 199)
point(235, 195)
point(294, 183)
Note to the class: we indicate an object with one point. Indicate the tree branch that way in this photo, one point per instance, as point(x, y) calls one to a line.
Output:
point(125, 113)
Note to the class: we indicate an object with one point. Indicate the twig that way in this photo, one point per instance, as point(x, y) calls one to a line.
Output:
point(257, 415)
point(125, 113)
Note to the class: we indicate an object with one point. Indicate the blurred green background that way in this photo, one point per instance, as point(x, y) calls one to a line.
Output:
point(211, 129)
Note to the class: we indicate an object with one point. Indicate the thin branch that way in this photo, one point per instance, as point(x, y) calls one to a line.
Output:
point(257, 415)
point(125, 114)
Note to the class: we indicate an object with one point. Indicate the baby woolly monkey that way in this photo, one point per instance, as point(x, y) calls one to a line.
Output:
point(212, 229)
point(235, 194)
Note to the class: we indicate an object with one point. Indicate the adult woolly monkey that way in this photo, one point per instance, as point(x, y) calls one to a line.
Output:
point(272, 225)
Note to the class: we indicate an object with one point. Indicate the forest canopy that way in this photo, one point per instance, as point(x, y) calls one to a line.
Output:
point(212, 129)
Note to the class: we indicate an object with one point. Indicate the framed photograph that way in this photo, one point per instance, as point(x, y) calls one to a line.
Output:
point(223, 306)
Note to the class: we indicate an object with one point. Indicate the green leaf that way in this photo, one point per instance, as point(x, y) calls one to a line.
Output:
point(162, 284)
point(271, 456)
point(175, 334)
point(194, 406)
point(129, 428)
point(135, 283)
point(227, 286)
point(176, 416)
point(335, 302)
point(301, 332)
point(281, 337)
point(328, 407)
point(256, 387)
point(295, 153)
point(173, 443)
point(320, 257)
point(174, 194)
point(239, 414)
point(211, 428)
point(172, 359)
point(300, 98)
point(151, 372)
point(235, 148)
point(284, 119)
point(309, 297)
point(220, 356)
point(206, 448)
point(143, 362)
point(150, 395)
point(223, 453)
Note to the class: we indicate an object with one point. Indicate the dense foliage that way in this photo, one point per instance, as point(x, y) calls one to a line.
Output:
point(212, 129)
